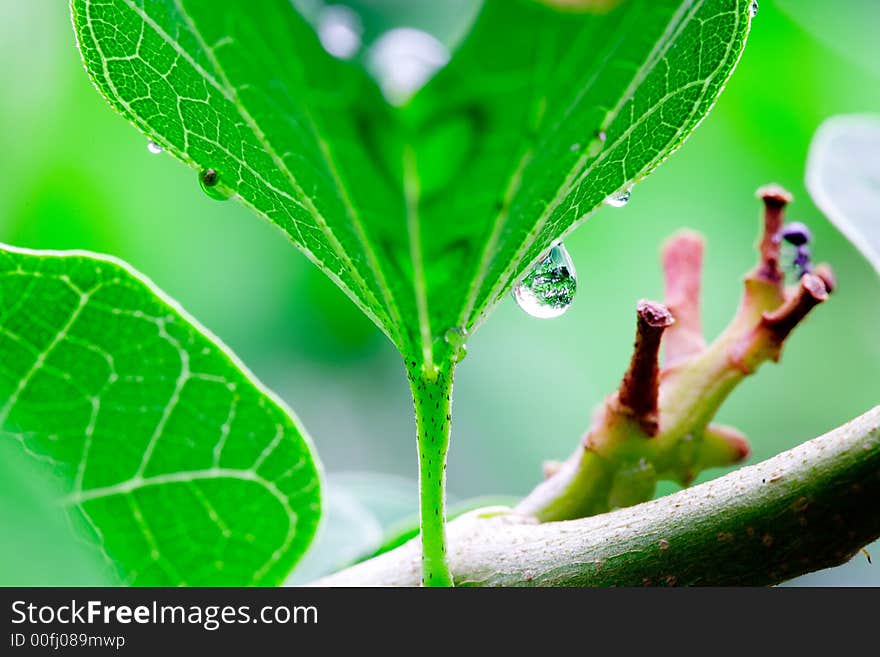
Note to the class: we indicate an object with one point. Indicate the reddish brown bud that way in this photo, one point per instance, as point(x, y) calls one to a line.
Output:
point(775, 199)
point(826, 273)
point(774, 196)
point(639, 389)
point(810, 293)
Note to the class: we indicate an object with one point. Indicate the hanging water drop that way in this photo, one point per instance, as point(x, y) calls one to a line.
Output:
point(548, 289)
point(753, 8)
point(209, 180)
point(456, 338)
point(620, 198)
point(154, 148)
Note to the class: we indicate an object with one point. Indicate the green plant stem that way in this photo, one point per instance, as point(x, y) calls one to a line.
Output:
point(432, 398)
point(809, 508)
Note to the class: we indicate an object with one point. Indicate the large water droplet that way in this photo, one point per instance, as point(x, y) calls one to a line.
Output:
point(154, 148)
point(620, 198)
point(209, 180)
point(456, 338)
point(753, 8)
point(548, 289)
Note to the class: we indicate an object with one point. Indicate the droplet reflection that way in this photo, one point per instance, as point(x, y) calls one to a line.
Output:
point(548, 289)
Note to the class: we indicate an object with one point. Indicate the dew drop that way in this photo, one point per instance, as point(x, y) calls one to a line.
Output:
point(456, 338)
point(620, 198)
point(209, 180)
point(154, 148)
point(753, 8)
point(548, 289)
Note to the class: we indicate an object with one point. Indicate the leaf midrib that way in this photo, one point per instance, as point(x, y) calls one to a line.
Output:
point(414, 235)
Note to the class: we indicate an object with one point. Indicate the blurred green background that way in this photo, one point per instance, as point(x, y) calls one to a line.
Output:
point(75, 175)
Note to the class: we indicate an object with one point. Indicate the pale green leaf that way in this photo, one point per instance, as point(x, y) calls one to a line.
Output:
point(843, 176)
point(425, 214)
point(29, 514)
point(359, 508)
point(171, 457)
point(349, 528)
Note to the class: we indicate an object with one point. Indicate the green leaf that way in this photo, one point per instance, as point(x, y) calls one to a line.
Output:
point(169, 454)
point(843, 176)
point(425, 214)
